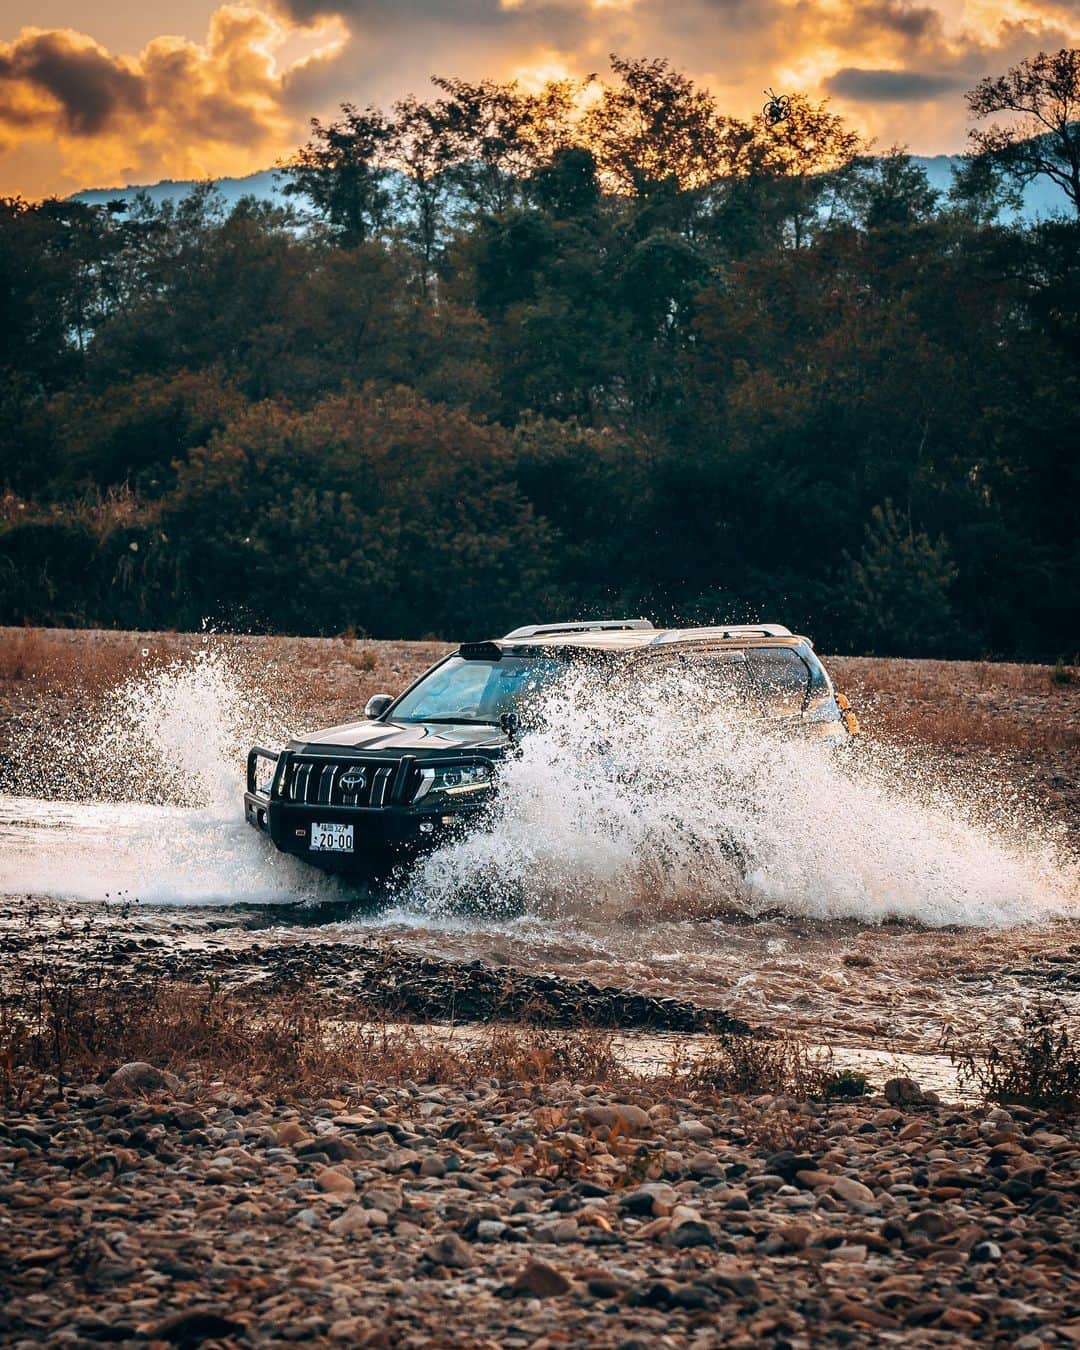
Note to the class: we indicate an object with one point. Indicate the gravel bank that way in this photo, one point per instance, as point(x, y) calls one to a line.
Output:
point(505, 1214)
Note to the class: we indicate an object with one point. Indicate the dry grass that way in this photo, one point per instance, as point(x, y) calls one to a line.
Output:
point(963, 704)
point(37, 657)
point(1034, 1064)
point(84, 1027)
point(81, 1027)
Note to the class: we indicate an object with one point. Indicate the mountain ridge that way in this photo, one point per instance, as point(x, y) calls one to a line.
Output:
point(1040, 199)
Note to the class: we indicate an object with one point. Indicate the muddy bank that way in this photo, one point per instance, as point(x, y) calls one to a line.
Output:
point(351, 979)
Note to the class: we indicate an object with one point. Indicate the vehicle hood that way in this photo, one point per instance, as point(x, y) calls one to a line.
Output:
point(406, 737)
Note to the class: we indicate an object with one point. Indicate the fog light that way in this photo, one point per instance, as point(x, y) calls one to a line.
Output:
point(426, 827)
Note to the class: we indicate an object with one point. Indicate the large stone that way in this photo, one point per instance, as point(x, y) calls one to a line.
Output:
point(355, 1220)
point(629, 1119)
point(539, 1280)
point(691, 1234)
point(449, 1250)
point(334, 1182)
point(655, 1197)
point(352, 1329)
point(131, 1080)
point(191, 1326)
point(852, 1192)
point(931, 1222)
point(788, 1165)
point(332, 1146)
point(903, 1092)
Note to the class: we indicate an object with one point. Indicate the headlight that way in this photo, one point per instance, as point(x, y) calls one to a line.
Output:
point(457, 780)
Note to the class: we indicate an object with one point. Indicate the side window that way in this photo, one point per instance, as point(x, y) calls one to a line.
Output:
point(782, 679)
point(717, 675)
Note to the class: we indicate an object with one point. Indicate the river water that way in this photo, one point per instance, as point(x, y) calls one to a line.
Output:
point(865, 901)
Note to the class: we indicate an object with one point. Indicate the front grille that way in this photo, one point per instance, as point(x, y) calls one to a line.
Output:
point(348, 782)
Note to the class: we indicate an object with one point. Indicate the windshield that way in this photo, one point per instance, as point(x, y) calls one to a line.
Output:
point(477, 691)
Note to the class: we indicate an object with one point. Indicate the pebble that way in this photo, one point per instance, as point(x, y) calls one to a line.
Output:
point(539, 1280)
point(146, 1217)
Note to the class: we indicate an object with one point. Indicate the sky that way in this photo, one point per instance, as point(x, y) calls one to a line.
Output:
point(113, 93)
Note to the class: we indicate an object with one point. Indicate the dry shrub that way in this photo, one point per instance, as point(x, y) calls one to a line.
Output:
point(84, 1026)
point(746, 1065)
point(1036, 1064)
point(364, 660)
point(535, 1055)
point(53, 1023)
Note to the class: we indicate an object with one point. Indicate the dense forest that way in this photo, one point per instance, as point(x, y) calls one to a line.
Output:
point(515, 356)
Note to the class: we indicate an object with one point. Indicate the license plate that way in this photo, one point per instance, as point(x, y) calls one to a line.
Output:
point(332, 838)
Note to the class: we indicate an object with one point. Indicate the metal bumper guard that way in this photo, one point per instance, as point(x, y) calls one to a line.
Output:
point(383, 834)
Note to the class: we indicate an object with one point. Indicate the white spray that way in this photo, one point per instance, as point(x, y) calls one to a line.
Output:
point(653, 800)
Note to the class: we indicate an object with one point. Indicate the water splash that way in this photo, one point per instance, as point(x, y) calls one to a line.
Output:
point(141, 797)
point(650, 801)
point(632, 806)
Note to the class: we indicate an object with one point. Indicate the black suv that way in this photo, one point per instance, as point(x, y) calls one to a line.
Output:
point(420, 768)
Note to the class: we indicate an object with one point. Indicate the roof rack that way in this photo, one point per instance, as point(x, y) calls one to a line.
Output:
point(737, 630)
point(592, 626)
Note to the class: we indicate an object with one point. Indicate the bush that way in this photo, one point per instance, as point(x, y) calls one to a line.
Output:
point(1036, 1065)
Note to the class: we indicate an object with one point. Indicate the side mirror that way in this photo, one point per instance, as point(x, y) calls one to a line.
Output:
point(377, 704)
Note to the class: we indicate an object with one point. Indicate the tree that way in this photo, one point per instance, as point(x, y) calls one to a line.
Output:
point(899, 589)
point(423, 149)
point(501, 135)
point(655, 131)
point(1043, 139)
point(893, 191)
point(342, 171)
point(401, 517)
point(793, 174)
point(981, 190)
point(567, 186)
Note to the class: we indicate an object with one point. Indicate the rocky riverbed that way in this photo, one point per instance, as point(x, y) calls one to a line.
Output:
point(148, 1209)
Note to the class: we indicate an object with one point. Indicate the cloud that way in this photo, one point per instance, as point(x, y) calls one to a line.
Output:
point(84, 84)
point(233, 102)
point(178, 109)
point(893, 86)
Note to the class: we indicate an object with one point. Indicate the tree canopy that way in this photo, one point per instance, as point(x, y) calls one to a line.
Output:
point(516, 354)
